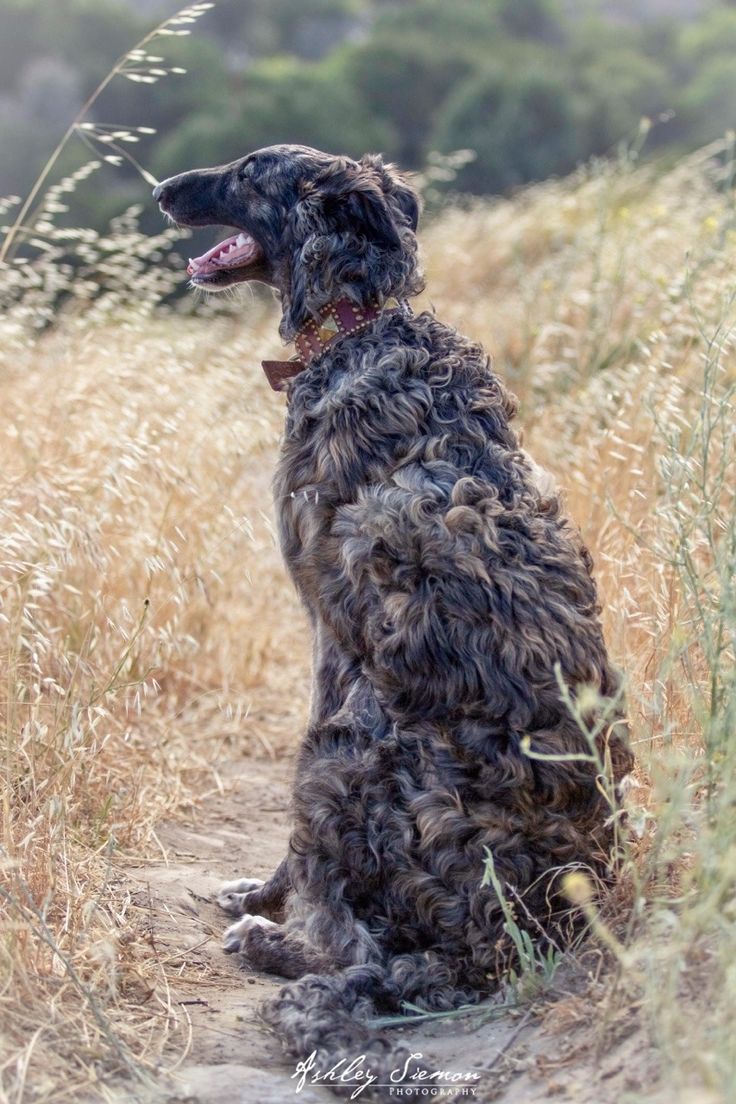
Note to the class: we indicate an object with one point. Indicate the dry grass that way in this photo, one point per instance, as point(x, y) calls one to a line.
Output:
point(147, 628)
point(147, 631)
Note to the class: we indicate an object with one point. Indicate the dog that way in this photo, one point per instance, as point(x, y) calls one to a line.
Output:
point(454, 617)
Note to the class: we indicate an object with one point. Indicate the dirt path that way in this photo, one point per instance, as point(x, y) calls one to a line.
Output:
point(234, 1059)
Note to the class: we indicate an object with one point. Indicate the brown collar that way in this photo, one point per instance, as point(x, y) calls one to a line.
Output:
point(337, 320)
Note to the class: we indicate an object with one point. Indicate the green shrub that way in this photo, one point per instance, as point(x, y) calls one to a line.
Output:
point(521, 123)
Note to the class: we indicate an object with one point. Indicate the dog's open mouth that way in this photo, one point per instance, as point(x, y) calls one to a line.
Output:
point(239, 251)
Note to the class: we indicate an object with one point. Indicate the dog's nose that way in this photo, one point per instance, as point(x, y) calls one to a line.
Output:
point(158, 191)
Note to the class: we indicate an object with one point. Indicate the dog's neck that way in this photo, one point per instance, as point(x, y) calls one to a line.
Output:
point(336, 320)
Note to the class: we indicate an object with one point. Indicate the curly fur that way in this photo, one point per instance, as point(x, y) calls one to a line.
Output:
point(444, 590)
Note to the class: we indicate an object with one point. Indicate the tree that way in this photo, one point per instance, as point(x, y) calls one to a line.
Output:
point(403, 82)
point(707, 106)
point(520, 121)
point(615, 89)
point(533, 19)
point(280, 100)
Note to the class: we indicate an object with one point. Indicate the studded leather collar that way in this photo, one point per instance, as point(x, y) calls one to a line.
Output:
point(336, 320)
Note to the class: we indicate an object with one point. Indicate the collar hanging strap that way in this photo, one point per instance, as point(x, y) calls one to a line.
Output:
point(279, 371)
point(338, 319)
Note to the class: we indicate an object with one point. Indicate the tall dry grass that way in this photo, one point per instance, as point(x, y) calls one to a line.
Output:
point(609, 303)
point(148, 631)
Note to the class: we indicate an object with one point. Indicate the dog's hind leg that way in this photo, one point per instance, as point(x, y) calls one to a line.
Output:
point(255, 897)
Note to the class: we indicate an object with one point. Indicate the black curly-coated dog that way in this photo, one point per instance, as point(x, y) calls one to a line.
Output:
point(449, 598)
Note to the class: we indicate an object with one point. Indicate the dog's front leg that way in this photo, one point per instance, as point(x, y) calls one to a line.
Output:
point(254, 897)
point(272, 949)
point(334, 673)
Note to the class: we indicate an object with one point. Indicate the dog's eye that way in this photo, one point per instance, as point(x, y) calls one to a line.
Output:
point(246, 171)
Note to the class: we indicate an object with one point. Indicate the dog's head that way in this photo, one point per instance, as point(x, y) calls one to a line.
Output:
point(315, 226)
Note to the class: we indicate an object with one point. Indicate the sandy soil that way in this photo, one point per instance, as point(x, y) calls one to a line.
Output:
point(545, 1054)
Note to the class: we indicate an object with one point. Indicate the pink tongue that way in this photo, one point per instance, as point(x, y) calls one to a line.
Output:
point(231, 253)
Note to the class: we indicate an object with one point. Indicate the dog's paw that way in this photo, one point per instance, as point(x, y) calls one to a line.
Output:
point(232, 941)
point(232, 896)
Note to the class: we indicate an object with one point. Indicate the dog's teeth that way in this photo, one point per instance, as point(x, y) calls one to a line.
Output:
point(242, 240)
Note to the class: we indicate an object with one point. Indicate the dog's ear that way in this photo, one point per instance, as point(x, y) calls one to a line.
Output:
point(408, 201)
point(365, 200)
point(350, 232)
point(396, 187)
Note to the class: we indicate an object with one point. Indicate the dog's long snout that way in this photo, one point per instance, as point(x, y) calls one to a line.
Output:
point(164, 191)
point(196, 198)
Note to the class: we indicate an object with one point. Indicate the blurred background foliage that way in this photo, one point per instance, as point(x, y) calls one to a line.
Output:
point(531, 86)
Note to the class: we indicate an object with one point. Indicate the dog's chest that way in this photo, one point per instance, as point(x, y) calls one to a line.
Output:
point(306, 496)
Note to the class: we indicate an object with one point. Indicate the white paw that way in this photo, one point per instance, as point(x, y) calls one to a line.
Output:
point(230, 895)
point(235, 934)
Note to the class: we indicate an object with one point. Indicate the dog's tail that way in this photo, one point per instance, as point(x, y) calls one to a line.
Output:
point(323, 1019)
